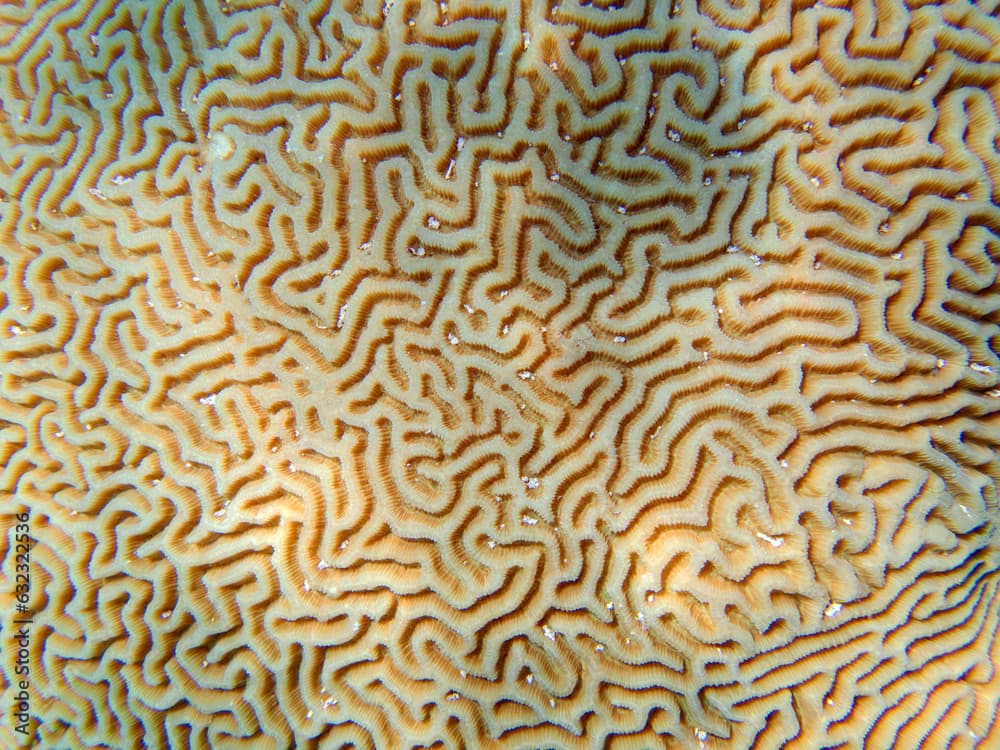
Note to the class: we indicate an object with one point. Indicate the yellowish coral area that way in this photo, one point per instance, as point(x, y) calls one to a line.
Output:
point(481, 374)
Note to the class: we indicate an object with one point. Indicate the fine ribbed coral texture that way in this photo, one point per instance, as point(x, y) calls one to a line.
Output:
point(484, 374)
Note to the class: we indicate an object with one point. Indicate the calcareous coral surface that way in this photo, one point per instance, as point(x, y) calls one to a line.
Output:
point(502, 374)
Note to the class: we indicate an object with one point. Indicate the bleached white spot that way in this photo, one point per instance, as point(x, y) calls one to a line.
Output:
point(773, 541)
point(208, 400)
point(526, 375)
point(530, 678)
point(530, 482)
point(620, 339)
point(548, 632)
point(452, 697)
point(528, 520)
point(452, 338)
point(674, 136)
point(833, 610)
point(341, 316)
point(981, 368)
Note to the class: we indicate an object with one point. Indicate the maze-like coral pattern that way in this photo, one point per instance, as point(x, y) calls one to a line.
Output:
point(504, 374)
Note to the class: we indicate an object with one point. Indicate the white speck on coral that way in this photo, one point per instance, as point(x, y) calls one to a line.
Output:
point(773, 541)
point(674, 136)
point(526, 375)
point(985, 369)
point(452, 338)
point(208, 400)
point(341, 316)
point(548, 632)
point(833, 610)
point(452, 697)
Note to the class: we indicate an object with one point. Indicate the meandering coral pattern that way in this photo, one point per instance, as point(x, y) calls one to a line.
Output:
point(488, 374)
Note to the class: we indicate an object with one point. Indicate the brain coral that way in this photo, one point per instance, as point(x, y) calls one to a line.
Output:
point(560, 374)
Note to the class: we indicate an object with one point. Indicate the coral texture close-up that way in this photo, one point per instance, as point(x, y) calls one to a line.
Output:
point(494, 374)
